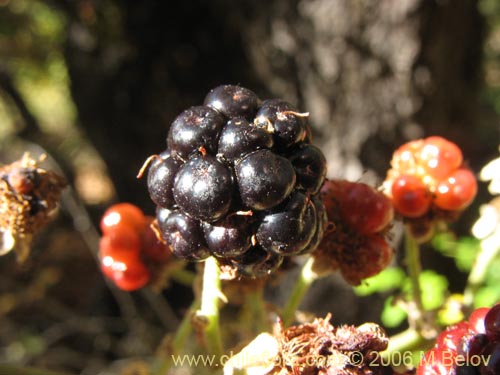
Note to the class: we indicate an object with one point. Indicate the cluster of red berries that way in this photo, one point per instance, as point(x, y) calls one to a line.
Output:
point(129, 248)
point(468, 348)
point(428, 180)
point(359, 218)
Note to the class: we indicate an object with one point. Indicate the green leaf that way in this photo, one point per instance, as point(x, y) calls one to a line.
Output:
point(434, 288)
point(392, 315)
point(389, 279)
point(466, 253)
point(444, 242)
point(492, 275)
point(487, 296)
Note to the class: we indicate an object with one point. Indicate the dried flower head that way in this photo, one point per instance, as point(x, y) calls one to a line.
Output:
point(28, 195)
point(315, 348)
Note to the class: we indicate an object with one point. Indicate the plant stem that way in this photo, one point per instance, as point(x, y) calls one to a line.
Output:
point(414, 268)
point(402, 342)
point(209, 309)
point(183, 276)
point(6, 369)
point(306, 278)
point(489, 249)
point(256, 309)
point(185, 329)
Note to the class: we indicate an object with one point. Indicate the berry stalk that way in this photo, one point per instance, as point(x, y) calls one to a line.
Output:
point(306, 278)
point(414, 269)
point(209, 309)
point(179, 340)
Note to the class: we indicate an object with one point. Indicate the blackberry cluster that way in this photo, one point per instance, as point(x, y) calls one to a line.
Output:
point(468, 348)
point(239, 180)
point(360, 217)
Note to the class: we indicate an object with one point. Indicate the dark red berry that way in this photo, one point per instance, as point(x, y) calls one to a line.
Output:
point(491, 364)
point(492, 323)
point(364, 209)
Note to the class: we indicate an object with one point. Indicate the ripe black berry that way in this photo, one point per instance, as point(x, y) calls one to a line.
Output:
point(288, 125)
point(183, 234)
point(310, 166)
point(161, 177)
point(265, 179)
point(232, 101)
point(194, 128)
point(289, 231)
point(229, 237)
point(321, 224)
point(239, 137)
point(257, 263)
point(203, 188)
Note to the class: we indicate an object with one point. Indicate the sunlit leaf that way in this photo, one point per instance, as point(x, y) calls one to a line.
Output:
point(389, 279)
point(392, 314)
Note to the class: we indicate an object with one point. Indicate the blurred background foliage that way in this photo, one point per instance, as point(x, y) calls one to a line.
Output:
point(96, 83)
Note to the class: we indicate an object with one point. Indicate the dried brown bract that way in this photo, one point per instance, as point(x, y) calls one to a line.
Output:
point(28, 195)
point(318, 348)
point(315, 348)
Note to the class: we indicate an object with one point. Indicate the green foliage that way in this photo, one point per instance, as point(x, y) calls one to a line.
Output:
point(393, 315)
point(463, 250)
point(434, 289)
point(387, 280)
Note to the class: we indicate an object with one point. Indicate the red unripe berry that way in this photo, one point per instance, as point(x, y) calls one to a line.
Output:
point(330, 193)
point(120, 238)
point(436, 362)
point(440, 157)
point(457, 191)
point(410, 196)
point(122, 213)
point(152, 247)
point(126, 270)
point(476, 319)
point(450, 338)
point(365, 209)
point(405, 157)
